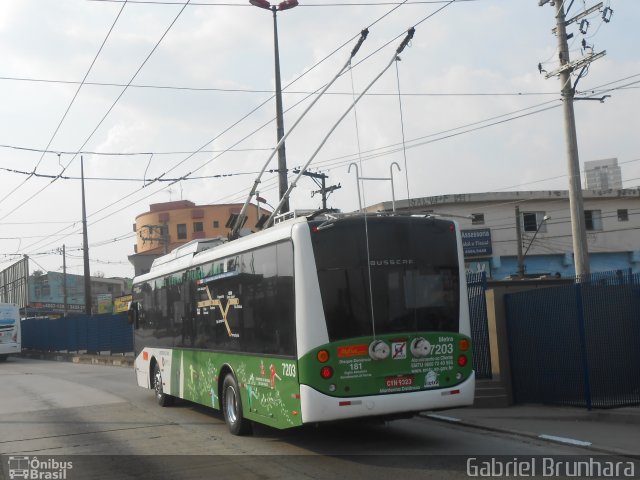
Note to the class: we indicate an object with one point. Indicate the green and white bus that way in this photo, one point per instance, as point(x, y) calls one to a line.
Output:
point(312, 320)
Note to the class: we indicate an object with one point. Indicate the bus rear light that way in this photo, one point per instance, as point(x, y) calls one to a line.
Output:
point(450, 392)
point(344, 404)
point(323, 356)
point(326, 372)
point(462, 360)
point(464, 345)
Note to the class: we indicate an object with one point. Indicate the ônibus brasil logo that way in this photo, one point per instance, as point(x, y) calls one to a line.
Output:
point(35, 469)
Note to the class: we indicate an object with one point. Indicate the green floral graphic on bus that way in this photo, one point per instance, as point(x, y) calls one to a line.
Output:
point(268, 386)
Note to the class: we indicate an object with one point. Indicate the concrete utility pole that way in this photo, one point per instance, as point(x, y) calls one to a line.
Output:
point(324, 190)
point(85, 248)
point(64, 278)
point(163, 231)
point(578, 230)
point(519, 241)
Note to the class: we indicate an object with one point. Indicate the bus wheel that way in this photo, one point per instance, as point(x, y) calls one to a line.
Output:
point(232, 407)
point(162, 398)
point(3, 358)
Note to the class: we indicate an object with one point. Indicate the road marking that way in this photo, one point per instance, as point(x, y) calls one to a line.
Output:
point(570, 441)
point(443, 417)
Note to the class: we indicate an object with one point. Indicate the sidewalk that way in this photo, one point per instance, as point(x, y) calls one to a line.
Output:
point(113, 360)
point(613, 431)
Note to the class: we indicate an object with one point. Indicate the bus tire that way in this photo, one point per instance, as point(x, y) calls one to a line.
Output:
point(163, 399)
point(232, 407)
point(3, 358)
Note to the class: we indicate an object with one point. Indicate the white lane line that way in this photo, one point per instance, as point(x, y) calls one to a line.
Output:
point(570, 441)
point(443, 417)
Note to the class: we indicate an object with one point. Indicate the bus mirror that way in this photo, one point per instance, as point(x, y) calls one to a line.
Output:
point(132, 314)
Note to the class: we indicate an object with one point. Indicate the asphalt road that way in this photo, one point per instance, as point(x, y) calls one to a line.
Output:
point(111, 428)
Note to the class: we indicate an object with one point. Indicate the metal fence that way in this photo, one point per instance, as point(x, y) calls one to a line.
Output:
point(476, 287)
point(577, 344)
point(78, 333)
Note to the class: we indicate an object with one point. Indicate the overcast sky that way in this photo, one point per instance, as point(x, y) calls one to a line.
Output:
point(470, 71)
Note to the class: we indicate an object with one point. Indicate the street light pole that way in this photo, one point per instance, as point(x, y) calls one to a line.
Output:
point(282, 157)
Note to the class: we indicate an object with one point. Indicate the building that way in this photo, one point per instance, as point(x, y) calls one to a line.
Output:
point(603, 174)
point(171, 224)
point(47, 293)
point(488, 223)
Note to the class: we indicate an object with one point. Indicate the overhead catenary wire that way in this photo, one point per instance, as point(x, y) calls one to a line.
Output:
point(144, 62)
point(66, 112)
point(255, 109)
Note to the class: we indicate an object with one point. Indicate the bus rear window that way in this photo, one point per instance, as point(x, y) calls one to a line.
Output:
point(413, 263)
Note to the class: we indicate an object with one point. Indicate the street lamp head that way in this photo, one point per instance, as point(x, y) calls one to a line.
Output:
point(261, 4)
point(546, 218)
point(287, 4)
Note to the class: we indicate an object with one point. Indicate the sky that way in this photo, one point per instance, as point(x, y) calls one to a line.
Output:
point(142, 90)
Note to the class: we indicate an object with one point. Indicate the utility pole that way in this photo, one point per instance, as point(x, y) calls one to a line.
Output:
point(519, 242)
point(578, 230)
point(85, 248)
point(324, 190)
point(163, 238)
point(64, 279)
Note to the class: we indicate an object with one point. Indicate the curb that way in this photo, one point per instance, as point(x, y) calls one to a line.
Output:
point(519, 433)
point(86, 359)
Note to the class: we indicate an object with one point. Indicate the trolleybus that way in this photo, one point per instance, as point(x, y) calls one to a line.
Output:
point(312, 320)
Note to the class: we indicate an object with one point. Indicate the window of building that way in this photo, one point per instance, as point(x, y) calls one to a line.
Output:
point(182, 231)
point(593, 220)
point(477, 219)
point(532, 221)
point(623, 215)
point(216, 224)
point(198, 227)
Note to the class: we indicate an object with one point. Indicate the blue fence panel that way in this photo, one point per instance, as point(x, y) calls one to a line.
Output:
point(93, 334)
point(577, 344)
point(612, 337)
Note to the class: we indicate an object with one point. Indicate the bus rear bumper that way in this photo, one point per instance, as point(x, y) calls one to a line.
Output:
point(318, 407)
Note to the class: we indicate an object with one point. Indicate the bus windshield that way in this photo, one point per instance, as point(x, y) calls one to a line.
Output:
point(413, 265)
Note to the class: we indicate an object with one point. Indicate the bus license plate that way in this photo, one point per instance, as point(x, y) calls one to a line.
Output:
point(399, 381)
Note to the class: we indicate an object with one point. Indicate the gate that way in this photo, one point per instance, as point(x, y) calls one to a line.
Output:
point(476, 286)
point(577, 344)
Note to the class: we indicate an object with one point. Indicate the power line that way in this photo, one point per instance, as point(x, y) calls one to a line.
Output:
point(108, 111)
point(290, 92)
point(64, 116)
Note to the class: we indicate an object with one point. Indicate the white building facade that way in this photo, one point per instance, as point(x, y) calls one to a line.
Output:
point(488, 222)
